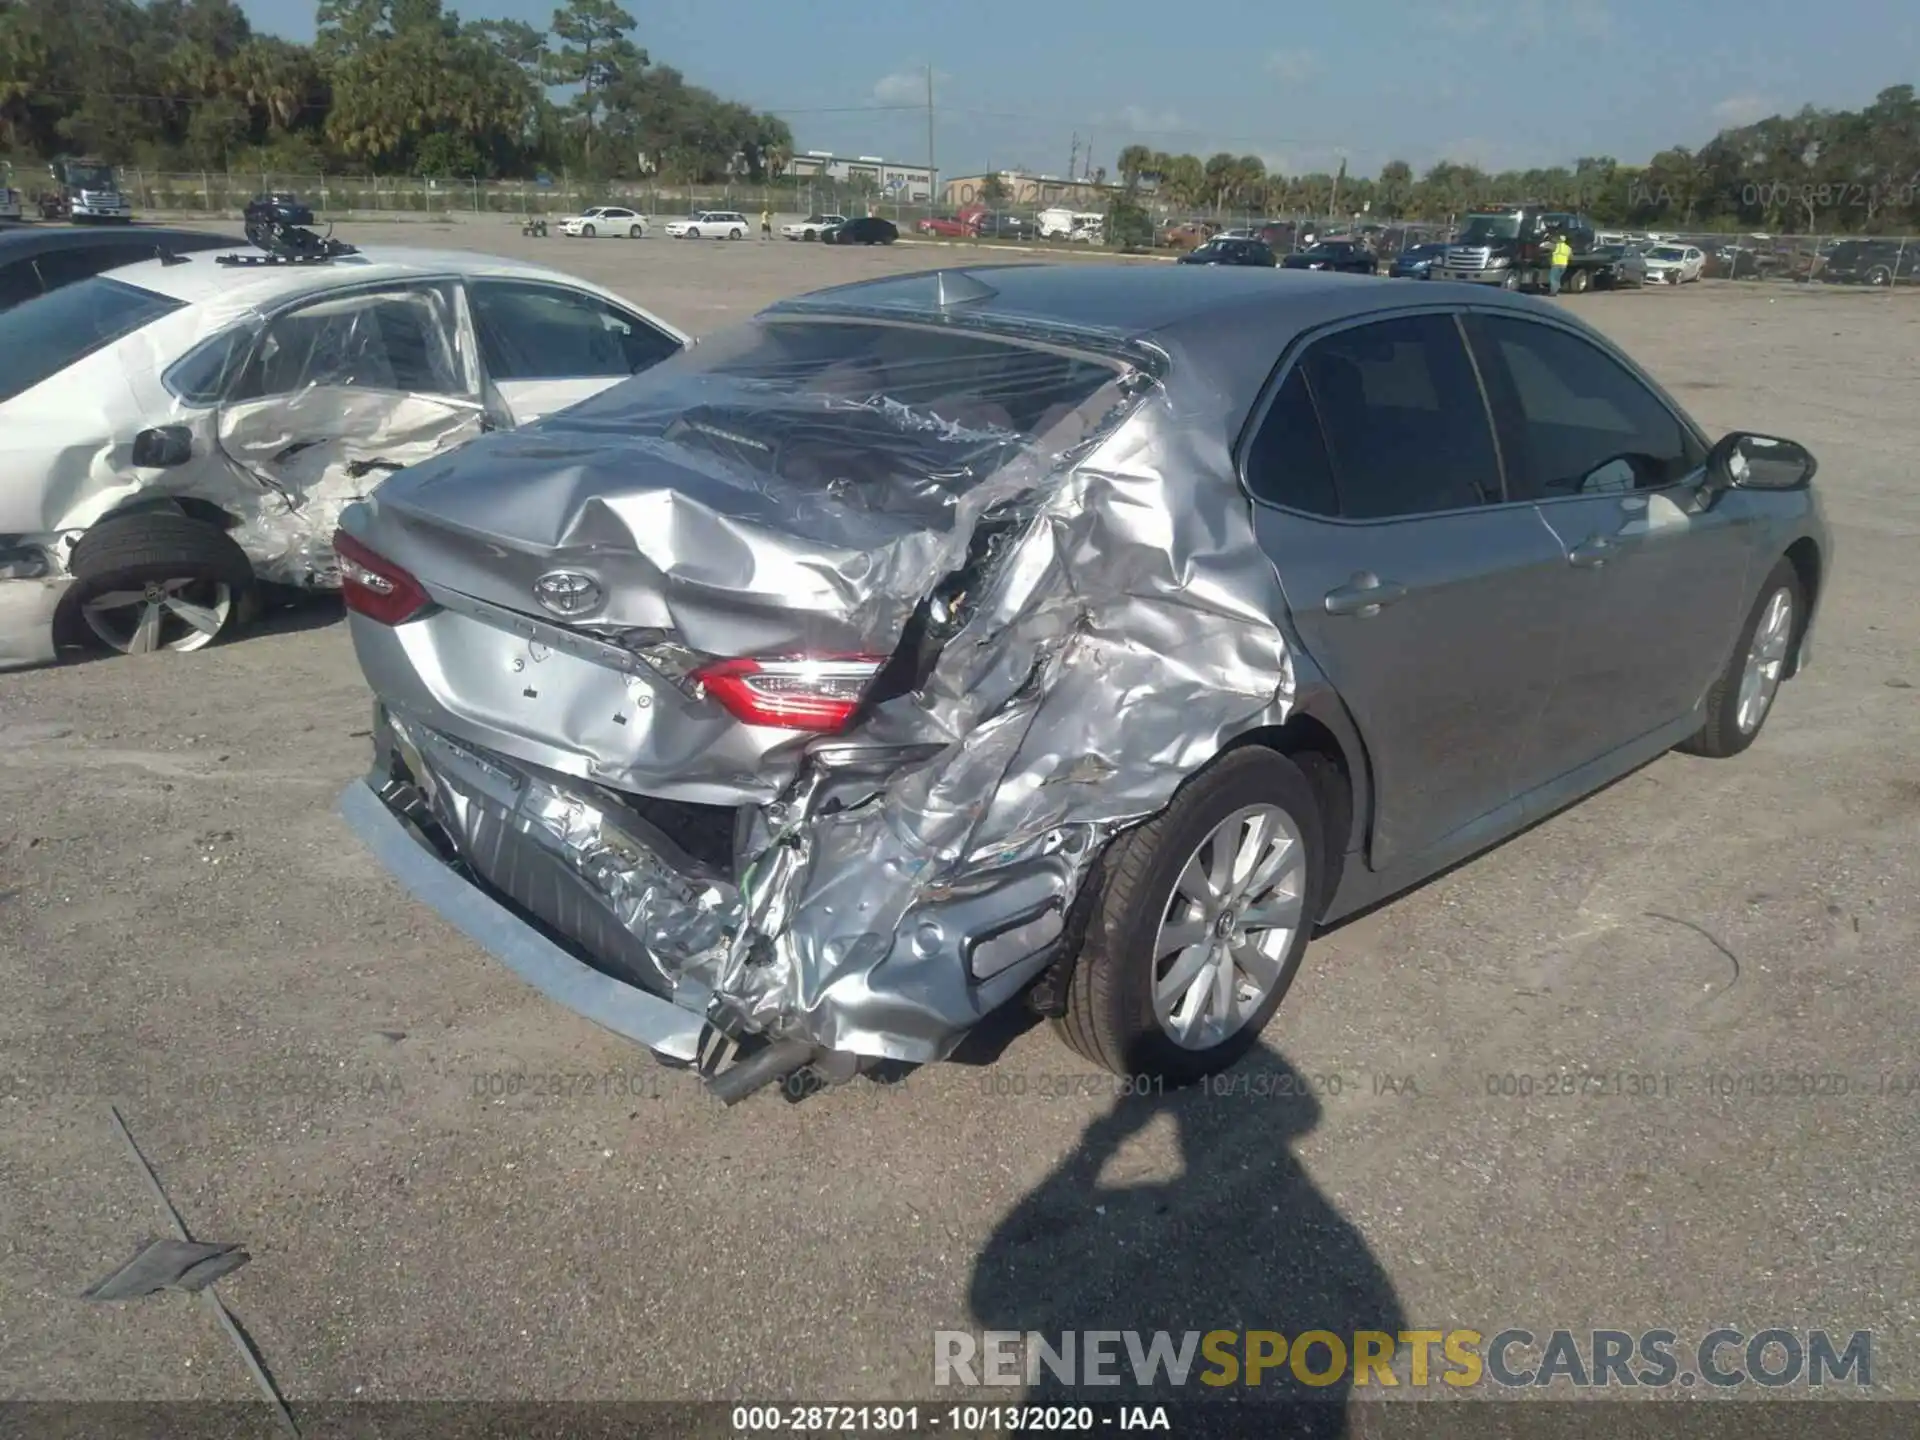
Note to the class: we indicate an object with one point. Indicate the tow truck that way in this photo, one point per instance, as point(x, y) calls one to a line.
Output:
point(1512, 246)
point(86, 192)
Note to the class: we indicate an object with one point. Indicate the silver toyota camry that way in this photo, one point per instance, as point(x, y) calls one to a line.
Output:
point(1080, 637)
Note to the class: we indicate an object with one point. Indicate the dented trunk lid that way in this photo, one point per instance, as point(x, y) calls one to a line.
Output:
point(792, 488)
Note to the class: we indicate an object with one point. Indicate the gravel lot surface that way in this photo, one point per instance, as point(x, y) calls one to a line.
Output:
point(320, 1069)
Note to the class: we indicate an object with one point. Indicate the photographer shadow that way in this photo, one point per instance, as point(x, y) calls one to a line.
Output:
point(1242, 1240)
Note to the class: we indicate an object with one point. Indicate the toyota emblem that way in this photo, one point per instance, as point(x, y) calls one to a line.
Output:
point(567, 592)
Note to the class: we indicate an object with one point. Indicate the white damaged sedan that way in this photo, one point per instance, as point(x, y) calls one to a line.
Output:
point(176, 434)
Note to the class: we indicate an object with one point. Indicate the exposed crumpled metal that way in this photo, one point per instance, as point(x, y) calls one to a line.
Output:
point(1118, 635)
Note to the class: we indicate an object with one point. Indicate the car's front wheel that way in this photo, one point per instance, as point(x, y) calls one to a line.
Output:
point(160, 581)
point(1199, 923)
point(1742, 698)
point(692, 233)
point(587, 231)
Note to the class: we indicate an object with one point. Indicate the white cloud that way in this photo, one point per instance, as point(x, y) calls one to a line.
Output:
point(1742, 109)
point(1294, 66)
point(907, 87)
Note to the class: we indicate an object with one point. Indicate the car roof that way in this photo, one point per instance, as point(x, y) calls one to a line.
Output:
point(1235, 319)
point(31, 241)
point(201, 279)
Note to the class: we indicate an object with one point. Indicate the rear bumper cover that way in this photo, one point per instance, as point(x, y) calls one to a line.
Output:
point(607, 913)
point(658, 1024)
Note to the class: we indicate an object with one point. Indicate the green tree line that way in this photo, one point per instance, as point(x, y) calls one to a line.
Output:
point(387, 87)
point(1820, 171)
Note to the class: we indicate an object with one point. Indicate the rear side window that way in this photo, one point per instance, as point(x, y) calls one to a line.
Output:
point(45, 335)
point(399, 339)
point(1404, 418)
point(1287, 463)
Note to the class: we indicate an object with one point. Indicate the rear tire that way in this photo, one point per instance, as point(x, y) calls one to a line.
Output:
point(636, 232)
point(1736, 712)
point(1111, 1015)
point(736, 234)
point(161, 581)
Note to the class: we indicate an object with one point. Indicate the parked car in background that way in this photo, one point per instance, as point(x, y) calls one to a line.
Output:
point(1619, 267)
point(821, 794)
point(1186, 234)
point(949, 227)
point(813, 227)
point(1348, 256)
point(1222, 251)
point(1872, 262)
point(179, 432)
point(1416, 261)
point(999, 225)
point(34, 260)
point(605, 220)
point(1673, 264)
point(862, 230)
point(710, 225)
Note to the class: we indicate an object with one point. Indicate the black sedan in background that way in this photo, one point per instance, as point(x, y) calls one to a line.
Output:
point(37, 258)
point(1349, 256)
point(1230, 252)
point(1416, 262)
point(864, 230)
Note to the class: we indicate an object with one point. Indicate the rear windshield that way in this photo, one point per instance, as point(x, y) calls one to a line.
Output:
point(44, 336)
point(895, 418)
point(970, 382)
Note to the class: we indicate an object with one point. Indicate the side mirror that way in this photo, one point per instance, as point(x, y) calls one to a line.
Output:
point(1743, 461)
point(163, 447)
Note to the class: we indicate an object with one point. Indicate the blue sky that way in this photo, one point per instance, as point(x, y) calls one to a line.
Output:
point(1493, 82)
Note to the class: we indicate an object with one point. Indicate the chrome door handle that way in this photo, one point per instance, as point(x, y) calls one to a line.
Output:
point(1592, 554)
point(1365, 595)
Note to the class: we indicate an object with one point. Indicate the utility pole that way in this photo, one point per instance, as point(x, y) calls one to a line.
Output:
point(933, 175)
point(1073, 162)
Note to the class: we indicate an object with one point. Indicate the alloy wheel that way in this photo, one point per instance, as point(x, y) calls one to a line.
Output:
point(1766, 662)
point(180, 615)
point(1226, 929)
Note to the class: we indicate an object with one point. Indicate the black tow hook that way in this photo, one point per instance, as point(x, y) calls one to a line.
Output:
point(761, 1069)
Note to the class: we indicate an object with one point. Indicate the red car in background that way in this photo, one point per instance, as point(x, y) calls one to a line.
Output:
point(950, 226)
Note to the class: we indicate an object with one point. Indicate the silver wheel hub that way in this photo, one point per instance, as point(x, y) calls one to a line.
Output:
point(1226, 929)
point(181, 615)
point(1766, 661)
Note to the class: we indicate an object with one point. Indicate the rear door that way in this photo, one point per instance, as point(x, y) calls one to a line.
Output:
point(546, 347)
point(1411, 581)
point(1655, 585)
point(339, 391)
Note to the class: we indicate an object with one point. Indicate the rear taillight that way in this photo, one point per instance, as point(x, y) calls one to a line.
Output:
point(374, 586)
point(792, 694)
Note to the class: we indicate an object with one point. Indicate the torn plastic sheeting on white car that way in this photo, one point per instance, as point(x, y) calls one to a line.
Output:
point(1104, 618)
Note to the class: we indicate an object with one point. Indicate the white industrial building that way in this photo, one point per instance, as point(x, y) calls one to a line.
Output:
point(904, 182)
